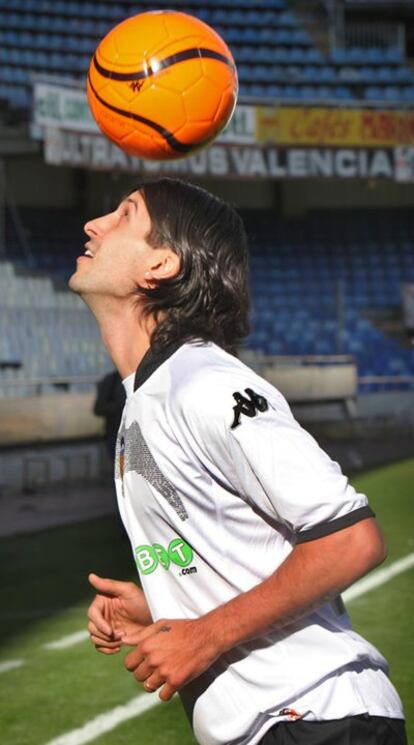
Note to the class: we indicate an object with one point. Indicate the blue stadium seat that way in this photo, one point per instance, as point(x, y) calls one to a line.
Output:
point(373, 93)
point(298, 55)
point(287, 19)
point(258, 72)
point(326, 74)
point(343, 93)
point(385, 74)
point(300, 36)
point(375, 56)
point(403, 75)
point(258, 90)
point(309, 92)
point(248, 35)
point(324, 92)
point(339, 56)
point(408, 94)
point(291, 91)
point(368, 74)
point(393, 54)
point(265, 54)
point(393, 93)
point(313, 56)
point(283, 36)
point(274, 91)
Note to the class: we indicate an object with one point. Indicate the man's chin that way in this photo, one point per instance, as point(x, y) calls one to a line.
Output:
point(73, 284)
point(77, 285)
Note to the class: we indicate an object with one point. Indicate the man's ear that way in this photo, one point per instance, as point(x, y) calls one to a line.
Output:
point(166, 264)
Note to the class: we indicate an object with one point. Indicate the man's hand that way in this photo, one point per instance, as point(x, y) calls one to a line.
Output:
point(119, 609)
point(170, 653)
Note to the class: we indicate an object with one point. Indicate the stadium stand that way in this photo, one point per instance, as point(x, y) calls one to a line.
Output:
point(276, 57)
point(298, 267)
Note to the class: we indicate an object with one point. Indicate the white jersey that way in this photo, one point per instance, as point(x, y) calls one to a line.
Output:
point(216, 483)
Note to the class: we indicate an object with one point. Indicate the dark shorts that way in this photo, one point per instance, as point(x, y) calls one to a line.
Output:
point(359, 730)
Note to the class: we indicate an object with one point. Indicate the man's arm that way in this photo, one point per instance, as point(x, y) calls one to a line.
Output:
point(170, 653)
point(313, 573)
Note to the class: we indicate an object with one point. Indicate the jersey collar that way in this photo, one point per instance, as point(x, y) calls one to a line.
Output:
point(151, 361)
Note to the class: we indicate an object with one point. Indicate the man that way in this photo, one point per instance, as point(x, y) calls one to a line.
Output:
point(109, 403)
point(244, 532)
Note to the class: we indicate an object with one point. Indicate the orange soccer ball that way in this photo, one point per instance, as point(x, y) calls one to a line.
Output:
point(162, 84)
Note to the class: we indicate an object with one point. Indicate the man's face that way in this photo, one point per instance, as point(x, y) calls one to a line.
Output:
point(117, 257)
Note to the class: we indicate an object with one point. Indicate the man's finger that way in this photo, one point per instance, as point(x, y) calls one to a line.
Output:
point(133, 659)
point(144, 670)
point(97, 641)
point(140, 636)
point(94, 631)
point(107, 650)
point(95, 615)
point(130, 640)
point(152, 683)
point(110, 587)
point(167, 692)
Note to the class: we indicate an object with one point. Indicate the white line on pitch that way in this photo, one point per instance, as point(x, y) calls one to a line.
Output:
point(379, 578)
point(68, 641)
point(108, 721)
point(10, 665)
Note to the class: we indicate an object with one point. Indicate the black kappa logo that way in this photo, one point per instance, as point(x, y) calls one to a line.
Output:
point(248, 406)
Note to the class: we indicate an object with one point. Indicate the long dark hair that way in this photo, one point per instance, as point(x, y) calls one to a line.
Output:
point(209, 297)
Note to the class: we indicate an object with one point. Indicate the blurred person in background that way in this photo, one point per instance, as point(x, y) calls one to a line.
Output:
point(243, 530)
point(109, 404)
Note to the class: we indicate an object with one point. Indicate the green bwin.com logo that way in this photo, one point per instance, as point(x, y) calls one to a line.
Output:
point(149, 557)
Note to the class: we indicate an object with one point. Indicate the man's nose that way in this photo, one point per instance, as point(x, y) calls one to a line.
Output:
point(92, 228)
point(89, 229)
point(97, 227)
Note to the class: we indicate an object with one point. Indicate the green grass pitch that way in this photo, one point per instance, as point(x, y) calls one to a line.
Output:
point(45, 595)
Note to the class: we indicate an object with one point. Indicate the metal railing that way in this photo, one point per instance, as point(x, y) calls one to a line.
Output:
point(62, 383)
point(300, 360)
point(374, 34)
point(258, 361)
point(384, 379)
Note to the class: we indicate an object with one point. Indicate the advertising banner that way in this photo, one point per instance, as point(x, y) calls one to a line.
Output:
point(61, 106)
point(334, 127)
point(404, 163)
point(226, 161)
point(273, 142)
point(67, 107)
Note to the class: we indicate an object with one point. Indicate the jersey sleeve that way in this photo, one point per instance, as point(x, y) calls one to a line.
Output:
point(264, 455)
point(284, 471)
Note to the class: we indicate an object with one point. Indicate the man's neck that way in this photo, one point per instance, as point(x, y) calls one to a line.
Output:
point(126, 335)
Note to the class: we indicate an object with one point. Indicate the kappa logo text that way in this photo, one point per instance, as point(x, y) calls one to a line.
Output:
point(179, 553)
point(249, 406)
